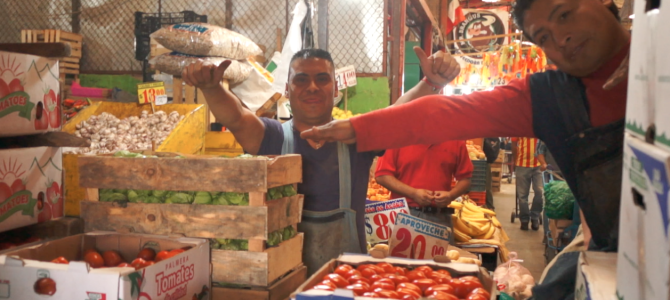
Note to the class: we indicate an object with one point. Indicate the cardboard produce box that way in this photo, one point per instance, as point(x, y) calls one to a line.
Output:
point(29, 95)
point(644, 248)
point(662, 62)
point(596, 276)
point(30, 186)
point(183, 276)
point(455, 269)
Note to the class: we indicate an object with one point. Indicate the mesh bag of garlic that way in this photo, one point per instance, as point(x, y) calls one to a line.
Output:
point(108, 134)
point(206, 40)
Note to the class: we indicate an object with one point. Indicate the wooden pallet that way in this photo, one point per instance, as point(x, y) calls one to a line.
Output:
point(68, 65)
point(280, 290)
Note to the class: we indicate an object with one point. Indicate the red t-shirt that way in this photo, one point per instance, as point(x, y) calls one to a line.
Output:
point(504, 111)
point(526, 156)
point(429, 167)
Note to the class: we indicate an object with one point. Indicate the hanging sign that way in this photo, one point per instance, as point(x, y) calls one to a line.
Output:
point(417, 238)
point(479, 24)
point(380, 217)
point(152, 92)
point(346, 77)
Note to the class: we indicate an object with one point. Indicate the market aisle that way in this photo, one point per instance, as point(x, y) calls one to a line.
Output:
point(528, 244)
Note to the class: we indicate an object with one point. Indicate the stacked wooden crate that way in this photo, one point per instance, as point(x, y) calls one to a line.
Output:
point(270, 271)
point(496, 172)
point(67, 65)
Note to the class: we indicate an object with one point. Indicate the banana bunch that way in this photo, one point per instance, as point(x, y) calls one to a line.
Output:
point(473, 222)
point(340, 114)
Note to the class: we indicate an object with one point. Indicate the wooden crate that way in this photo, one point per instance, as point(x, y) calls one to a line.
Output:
point(222, 143)
point(67, 65)
point(188, 137)
point(257, 268)
point(279, 290)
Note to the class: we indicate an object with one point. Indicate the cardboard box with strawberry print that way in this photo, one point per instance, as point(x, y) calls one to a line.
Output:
point(30, 186)
point(29, 94)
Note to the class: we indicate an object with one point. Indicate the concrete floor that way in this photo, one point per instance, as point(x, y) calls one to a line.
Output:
point(527, 244)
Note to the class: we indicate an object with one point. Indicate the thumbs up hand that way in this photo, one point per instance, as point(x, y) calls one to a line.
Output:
point(440, 68)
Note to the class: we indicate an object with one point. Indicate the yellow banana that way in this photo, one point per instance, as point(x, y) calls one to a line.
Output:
point(460, 225)
point(455, 205)
point(473, 207)
point(476, 220)
point(496, 223)
point(460, 236)
point(488, 211)
point(474, 228)
point(488, 234)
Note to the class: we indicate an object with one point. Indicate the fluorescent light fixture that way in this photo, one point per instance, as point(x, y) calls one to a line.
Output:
point(631, 16)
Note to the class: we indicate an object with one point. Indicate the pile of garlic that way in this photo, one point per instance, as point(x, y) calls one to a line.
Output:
point(108, 134)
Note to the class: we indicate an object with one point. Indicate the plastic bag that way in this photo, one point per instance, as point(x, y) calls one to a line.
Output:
point(513, 280)
point(173, 63)
point(559, 200)
point(206, 40)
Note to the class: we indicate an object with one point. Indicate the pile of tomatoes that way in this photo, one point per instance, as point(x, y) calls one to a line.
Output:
point(384, 280)
point(112, 258)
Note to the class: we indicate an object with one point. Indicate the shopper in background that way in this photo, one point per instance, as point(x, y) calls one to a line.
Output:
point(491, 148)
point(577, 110)
point(423, 175)
point(335, 176)
point(528, 169)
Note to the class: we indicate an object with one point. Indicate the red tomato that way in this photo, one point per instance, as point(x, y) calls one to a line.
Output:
point(358, 289)
point(60, 260)
point(470, 278)
point(434, 275)
point(387, 280)
point(481, 291)
point(328, 283)
point(379, 270)
point(405, 292)
point(323, 287)
point(358, 278)
point(374, 278)
point(148, 263)
point(388, 268)
point(424, 283)
point(147, 254)
point(45, 286)
point(408, 297)
point(398, 279)
point(368, 272)
point(410, 286)
point(476, 297)
point(442, 296)
point(112, 258)
point(175, 252)
point(466, 288)
point(400, 270)
point(371, 295)
point(162, 255)
point(383, 285)
point(415, 274)
point(388, 275)
point(444, 272)
point(440, 287)
point(443, 280)
point(124, 265)
point(388, 294)
point(338, 280)
point(360, 268)
point(94, 259)
point(425, 269)
point(351, 272)
point(138, 263)
point(89, 250)
point(342, 270)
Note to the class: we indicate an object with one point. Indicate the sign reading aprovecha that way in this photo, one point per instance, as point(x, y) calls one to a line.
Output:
point(346, 77)
point(380, 217)
point(480, 24)
point(417, 238)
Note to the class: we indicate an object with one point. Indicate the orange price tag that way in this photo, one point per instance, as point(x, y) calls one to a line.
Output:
point(151, 92)
point(417, 238)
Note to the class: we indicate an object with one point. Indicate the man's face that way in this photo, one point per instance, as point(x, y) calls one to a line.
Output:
point(579, 36)
point(311, 89)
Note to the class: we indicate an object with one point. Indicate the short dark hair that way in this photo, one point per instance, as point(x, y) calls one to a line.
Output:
point(313, 53)
point(520, 7)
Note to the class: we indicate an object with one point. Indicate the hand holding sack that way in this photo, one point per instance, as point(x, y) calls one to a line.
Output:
point(173, 64)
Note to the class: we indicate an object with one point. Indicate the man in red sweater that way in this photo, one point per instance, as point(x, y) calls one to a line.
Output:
point(423, 175)
point(580, 121)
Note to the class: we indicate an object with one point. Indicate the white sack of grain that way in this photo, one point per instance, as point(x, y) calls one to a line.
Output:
point(206, 40)
point(173, 63)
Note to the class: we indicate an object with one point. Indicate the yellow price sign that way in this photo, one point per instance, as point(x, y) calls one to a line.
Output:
point(152, 92)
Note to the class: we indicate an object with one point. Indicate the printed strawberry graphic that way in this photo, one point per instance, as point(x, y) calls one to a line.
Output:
point(5, 191)
point(52, 103)
point(15, 86)
point(44, 208)
point(41, 117)
point(55, 199)
point(4, 89)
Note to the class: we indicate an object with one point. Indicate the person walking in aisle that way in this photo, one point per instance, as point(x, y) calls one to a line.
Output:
point(528, 169)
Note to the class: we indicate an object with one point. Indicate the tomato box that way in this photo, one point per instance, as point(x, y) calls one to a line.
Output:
point(305, 291)
point(29, 94)
point(186, 275)
point(30, 186)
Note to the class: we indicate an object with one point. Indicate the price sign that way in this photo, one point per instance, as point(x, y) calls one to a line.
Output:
point(152, 92)
point(417, 238)
point(380, 217)
point(346, 77)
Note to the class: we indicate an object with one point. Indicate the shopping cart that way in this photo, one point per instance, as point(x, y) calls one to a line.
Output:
point(553, 246)
point(547, 176)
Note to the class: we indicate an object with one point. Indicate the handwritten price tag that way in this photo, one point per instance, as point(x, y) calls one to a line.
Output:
point(152, 92)
point(380, 217)
point(346, 77)
point(417, 238)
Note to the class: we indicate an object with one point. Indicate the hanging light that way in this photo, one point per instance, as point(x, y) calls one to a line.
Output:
point(631, 16)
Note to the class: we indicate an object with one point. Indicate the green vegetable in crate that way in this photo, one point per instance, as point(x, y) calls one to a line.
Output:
point(220, 200)
point(202, 198)
point(158, 193)
point(289, 232)
point(289, 191)
point(111, 197)
point(151, 199)
point(236, 199)
point(244, 245)
point(275, 193)
point(274, 238)
point(213, 244)
point(143, 193)
point(180, 198)
point(133, 197)
point(559, 200)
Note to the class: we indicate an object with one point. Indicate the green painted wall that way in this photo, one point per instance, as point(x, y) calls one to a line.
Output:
point(369, 94)
point(412, 67)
